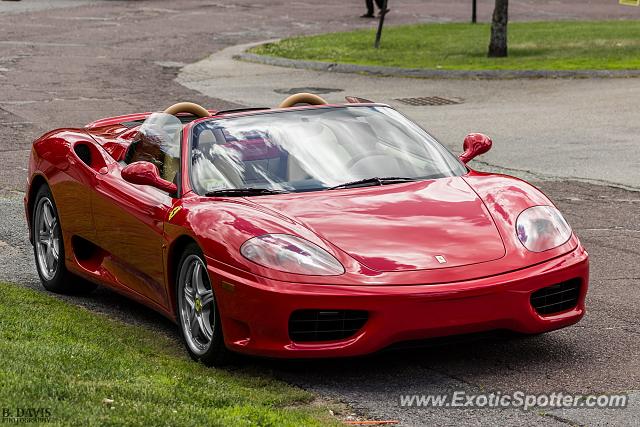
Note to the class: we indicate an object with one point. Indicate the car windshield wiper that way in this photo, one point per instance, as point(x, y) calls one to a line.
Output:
point(372, 181)
point(241, 192)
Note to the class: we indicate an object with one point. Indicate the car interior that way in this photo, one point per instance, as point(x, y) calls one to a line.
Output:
point(252, 158)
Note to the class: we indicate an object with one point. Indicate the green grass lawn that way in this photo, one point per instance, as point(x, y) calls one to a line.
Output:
point(58, 356)
point(532, 46)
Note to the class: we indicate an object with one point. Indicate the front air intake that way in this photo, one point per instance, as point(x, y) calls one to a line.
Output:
point(325, 325)
point(556, 298)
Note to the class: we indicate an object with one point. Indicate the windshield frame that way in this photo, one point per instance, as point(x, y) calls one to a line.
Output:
point(189, 128)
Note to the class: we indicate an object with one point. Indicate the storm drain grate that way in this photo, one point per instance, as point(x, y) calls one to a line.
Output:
point(308, 89)
point(429, 100)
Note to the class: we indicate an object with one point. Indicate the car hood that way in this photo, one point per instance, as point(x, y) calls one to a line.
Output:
point(414, 226)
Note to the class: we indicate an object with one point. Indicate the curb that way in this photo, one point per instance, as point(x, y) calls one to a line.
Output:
point(433, 74)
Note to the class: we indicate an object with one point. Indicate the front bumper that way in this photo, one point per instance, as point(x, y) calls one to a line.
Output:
point(255, 314)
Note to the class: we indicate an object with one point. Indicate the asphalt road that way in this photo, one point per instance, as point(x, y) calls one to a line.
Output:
point(63, 66)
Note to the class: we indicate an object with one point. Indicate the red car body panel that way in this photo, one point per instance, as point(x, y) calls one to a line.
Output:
point(257, 309)
point(128, 236)
point(408, 218)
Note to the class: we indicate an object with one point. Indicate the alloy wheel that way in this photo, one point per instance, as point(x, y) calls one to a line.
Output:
point(196, 304)
point(47, 239)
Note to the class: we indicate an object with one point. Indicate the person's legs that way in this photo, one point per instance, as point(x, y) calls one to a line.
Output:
point(370, 10)
point(380, 4)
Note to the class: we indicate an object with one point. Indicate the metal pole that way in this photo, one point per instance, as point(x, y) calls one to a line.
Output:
point(474, 11)
point(383, 12)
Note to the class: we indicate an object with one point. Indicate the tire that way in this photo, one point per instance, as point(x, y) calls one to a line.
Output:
point(197, 310)
point(48, 248)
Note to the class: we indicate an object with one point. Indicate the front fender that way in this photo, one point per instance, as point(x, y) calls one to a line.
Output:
point(506, 197)
point(221, 225)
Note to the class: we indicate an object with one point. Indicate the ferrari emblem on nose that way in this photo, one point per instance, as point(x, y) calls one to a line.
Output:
point(441, 259)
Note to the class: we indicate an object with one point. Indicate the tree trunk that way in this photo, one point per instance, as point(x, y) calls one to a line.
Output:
point(498, 45)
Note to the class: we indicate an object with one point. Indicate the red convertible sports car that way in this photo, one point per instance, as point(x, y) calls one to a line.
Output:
point(309, 230)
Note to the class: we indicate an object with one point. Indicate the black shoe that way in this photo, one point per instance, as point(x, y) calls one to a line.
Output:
point(368, 15)
point(384, 12)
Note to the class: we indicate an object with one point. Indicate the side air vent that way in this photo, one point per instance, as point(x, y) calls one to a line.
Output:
point(88, 255)
point(556, 298)
point(83, 153)
point(325, 325)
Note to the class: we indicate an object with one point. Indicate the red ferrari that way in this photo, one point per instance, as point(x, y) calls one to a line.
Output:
point(303, 231)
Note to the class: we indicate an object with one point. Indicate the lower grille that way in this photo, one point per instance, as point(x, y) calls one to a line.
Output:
point(325, 325)
point(556, 298)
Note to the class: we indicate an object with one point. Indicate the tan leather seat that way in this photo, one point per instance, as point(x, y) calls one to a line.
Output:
point(318, 145)
point(170, 168)
point(206, 140)
point(207, 145)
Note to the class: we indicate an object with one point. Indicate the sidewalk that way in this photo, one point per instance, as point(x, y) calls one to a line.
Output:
point(582, 129)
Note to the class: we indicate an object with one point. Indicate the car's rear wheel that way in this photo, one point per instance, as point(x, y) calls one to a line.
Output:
point(198, 315)
point(48, 247)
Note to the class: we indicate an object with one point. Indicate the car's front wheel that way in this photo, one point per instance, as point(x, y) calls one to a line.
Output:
point(198, 315)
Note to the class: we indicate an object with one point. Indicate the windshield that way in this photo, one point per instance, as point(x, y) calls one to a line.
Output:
point(314, 149)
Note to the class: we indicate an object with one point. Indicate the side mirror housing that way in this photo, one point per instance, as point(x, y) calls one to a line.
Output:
point(146, 173)
point(474, 145)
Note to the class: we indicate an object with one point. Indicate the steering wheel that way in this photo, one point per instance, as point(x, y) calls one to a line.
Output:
point(377, 160)
point(359, 157)
point(302, 98)
point(187, 107)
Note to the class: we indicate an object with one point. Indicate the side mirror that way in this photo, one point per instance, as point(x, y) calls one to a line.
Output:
point(474, 145)
point(146, 173)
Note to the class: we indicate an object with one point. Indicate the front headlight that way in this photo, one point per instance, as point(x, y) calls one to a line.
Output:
point(291, 254)
point(541, 228)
